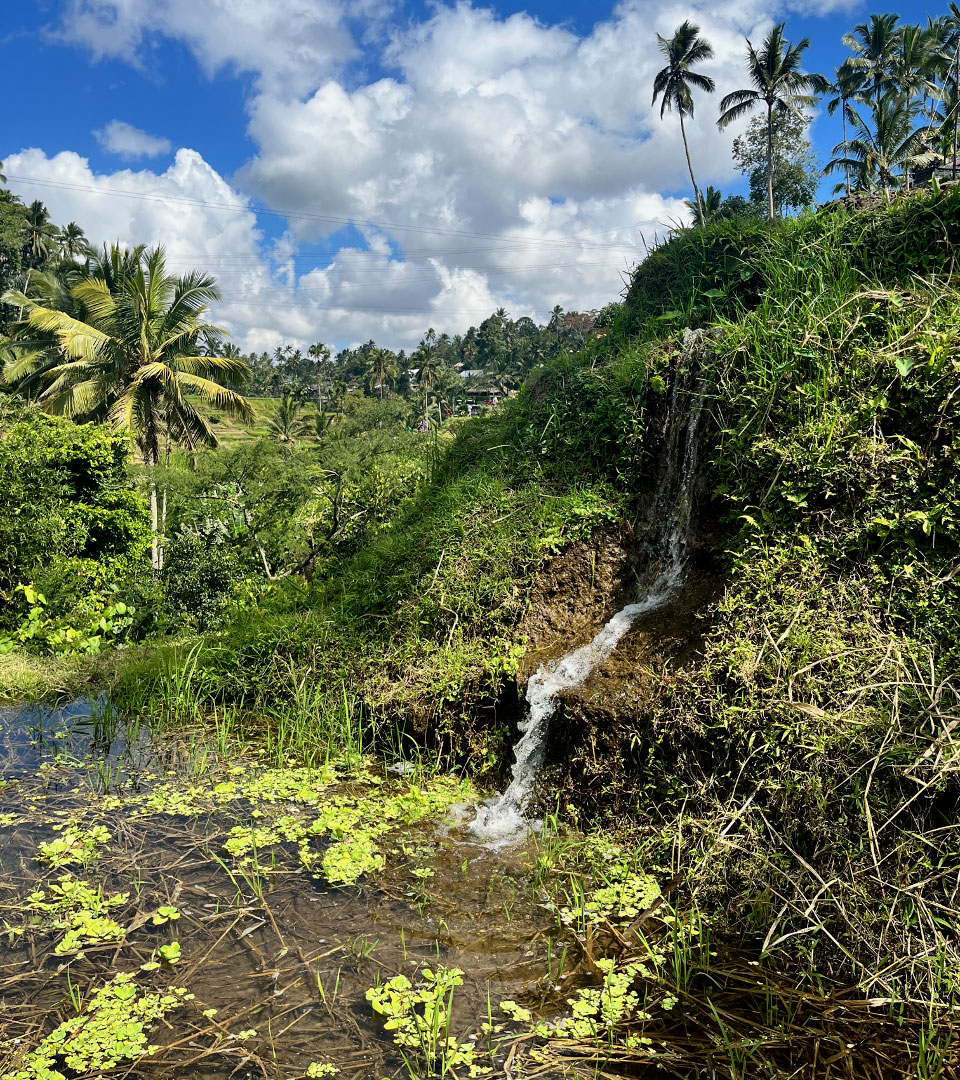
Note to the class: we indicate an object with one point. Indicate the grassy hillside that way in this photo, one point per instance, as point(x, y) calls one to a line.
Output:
point(796, 754)
point(230, 431)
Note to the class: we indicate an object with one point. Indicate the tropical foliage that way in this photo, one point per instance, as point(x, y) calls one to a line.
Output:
point(779, 85)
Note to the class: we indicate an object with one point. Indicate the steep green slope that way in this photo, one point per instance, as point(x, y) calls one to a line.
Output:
point(794, 758)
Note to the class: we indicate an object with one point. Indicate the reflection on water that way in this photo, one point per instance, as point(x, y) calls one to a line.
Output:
point(83, 730)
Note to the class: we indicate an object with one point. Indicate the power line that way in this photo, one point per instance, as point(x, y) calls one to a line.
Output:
point(326, 218)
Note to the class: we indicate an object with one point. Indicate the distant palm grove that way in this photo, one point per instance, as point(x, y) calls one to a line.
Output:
point(897, 94)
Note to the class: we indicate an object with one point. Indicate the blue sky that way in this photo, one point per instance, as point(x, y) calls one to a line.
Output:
point(507, 154)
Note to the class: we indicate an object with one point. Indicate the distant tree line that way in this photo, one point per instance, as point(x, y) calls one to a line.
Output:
point(442, 371)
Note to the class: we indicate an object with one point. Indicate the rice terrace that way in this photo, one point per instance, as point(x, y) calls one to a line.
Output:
point(477, 597)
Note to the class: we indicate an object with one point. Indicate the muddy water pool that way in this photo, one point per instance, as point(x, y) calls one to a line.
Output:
point(271, 900)
point(171, 909)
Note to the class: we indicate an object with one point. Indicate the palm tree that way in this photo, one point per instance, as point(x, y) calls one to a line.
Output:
point(321, 356)
point(918, 62)
point(380, 370)
point(427, 355)
point(890, 143)
point(950, 28)
point(286, 423)
point(916, 68)
point(875, 45)
point(113, 264)
point(684, 49)
point(709, 206)
point(779, 83)
point(132, 359)
point(848, 83)
point(72, 241)
point(41, 234)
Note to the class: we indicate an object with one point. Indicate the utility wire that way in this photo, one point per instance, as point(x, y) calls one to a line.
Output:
point(326, 218)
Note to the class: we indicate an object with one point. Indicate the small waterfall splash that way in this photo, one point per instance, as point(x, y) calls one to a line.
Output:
point(501, 819)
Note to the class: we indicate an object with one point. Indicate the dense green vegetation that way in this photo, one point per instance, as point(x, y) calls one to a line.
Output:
point(73, 533)
point(814, 714)
point(357, 563)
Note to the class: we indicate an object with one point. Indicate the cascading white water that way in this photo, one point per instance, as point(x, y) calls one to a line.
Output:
point(502, 819)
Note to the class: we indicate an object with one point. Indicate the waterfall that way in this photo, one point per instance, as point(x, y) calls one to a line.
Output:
point(502, 819)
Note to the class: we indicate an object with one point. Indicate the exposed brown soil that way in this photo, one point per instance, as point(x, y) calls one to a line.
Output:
point(575, 595)
point(598, 727)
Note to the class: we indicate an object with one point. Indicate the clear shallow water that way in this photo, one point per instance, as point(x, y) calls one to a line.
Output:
point(279, 962)
point(87, 731)
point(264, 945)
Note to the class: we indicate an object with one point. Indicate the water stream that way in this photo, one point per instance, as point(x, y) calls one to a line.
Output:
point(504, 818)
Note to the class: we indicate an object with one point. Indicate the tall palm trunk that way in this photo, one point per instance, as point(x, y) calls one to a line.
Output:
point(151, 461)
point(696, 190)
point(846, 167)
point(770, 213)
point(956, 95)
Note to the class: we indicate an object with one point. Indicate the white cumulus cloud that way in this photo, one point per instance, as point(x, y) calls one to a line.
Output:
point(285, 42)
point(126, 141)
point(488, 161)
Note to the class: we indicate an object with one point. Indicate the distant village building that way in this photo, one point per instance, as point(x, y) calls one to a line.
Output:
point(481, 397)
point(939, 169)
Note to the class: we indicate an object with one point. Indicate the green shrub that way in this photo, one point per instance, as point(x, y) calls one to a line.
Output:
point(70, 520)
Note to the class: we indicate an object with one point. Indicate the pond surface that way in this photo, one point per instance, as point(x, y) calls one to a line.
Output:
point(172, 907)
point(284, 955)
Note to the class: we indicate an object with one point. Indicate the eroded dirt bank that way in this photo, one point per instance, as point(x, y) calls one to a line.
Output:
point(599, 730)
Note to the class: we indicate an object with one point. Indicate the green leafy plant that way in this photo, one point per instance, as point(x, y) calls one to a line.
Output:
point(108, 626)
point(169, 954)
point(76, 845)
point(420, 1018)
point(110, 1031)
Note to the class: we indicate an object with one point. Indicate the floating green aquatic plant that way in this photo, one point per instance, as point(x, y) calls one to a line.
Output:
point(321, 1068)
point(298, 785)
point(165, 915)
point(597, 1011)
point(622, 892)
point(344, 863)
point(75, 845)
point(111, 1030)
point(353, 822)
point(78, 909)
point(420, 1019)
point(170, 954)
